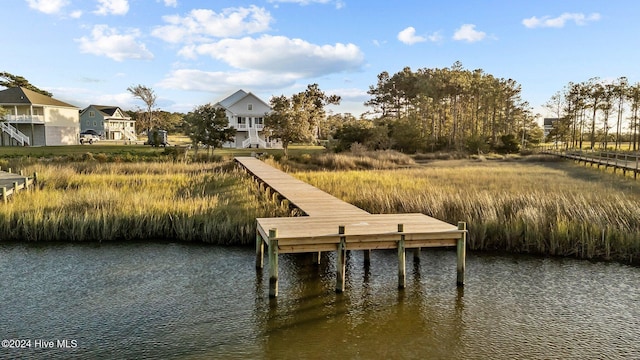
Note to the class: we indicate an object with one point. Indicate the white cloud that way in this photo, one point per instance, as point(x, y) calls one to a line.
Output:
point(409, 37)
point(48, 6)
point(76, 14)
point(468, 33)
point(106, 41)
point(435, 37)
point(220, 81)
point(171, 3)
point(201, 24)
point(560, 21)
point(338, 3)
point(281, 55)
point(112, 7)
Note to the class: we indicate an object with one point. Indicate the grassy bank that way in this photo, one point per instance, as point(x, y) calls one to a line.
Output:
point(530, 207)
point(93, 201)
point(516, 205)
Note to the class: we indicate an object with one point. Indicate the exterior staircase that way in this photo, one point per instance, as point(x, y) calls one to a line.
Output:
point(129, 135)
point(14, 133)
point(254, 139)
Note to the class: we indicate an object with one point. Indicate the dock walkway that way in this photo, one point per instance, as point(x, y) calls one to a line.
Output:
point(624, 161)
point(334, 225)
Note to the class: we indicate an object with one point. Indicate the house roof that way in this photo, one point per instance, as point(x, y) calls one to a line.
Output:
point(105, 110)
point(20, 95)
point(234, 98)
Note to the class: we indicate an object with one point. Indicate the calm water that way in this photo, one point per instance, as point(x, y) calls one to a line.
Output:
point(149, 301)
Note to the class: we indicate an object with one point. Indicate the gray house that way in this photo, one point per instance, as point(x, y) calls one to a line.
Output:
point(109, 121)
point(34, 119)
point(246, 114)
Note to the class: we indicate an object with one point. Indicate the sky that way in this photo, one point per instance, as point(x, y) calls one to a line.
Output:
point(193, 52)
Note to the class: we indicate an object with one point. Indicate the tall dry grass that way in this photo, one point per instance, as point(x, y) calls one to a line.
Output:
point(91, 201)
point(541, 208)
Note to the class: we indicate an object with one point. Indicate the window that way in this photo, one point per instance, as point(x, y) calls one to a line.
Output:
point(131, 124)
point(242, 120)
point(259, 121)
point(92, 113)
point(250, 107)
point(94, 123)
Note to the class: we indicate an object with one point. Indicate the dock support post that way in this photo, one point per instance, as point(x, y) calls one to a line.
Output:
point(461, 250)
point(4, 194)
point(402, 271)
point(341, 261)
point(316, 257)
point(416, 254)
point(367, 257)
point(15, 187)
point(259, 251)
point(273, 263)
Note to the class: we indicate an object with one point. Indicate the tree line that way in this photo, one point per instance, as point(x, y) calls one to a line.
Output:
point(596, 111)
point(446, 109)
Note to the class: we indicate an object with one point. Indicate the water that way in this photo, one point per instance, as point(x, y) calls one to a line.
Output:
point(149, 301)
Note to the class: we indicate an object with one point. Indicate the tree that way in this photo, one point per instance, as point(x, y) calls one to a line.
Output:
point(595, 94)
point(10, 81)
point(147, 96)
point(209, 126)
point(431, 109)
point(169, 121)
point(353, 132)
point(621, 90)
point(297, 119)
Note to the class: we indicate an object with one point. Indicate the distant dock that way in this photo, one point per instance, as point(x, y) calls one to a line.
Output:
point(623, 161)
point(334, 225)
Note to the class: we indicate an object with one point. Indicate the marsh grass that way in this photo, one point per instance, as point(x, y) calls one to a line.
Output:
point(351, 160)
point(91, 201)
point(530, 207)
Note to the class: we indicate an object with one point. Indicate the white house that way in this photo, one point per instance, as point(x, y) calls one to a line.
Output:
point(246, 113)
point(36, 120)
point(109, 121)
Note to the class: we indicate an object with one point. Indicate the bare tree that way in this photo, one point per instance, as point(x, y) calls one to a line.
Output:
point(147, 95)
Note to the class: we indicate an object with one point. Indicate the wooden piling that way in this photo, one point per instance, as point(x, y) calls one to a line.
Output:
point(273, 263)
point(416, 254)
point(259, 252)
point(4, 194)
point(316, 257)
point(341, 261)
point(402, 270)
point(461, 251)
point(367, 257)
point(15, 187)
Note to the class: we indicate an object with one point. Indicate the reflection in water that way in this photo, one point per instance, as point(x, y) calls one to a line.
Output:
point(197, 302)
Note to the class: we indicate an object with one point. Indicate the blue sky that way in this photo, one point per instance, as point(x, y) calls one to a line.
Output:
point(192, 52)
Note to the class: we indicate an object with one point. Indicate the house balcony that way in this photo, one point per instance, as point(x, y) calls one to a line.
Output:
point(25, 119)
point(245, 127)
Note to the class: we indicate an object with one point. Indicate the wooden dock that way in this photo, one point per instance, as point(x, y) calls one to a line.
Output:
point(623, 161)
point(11, 183)
point(334, 225)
